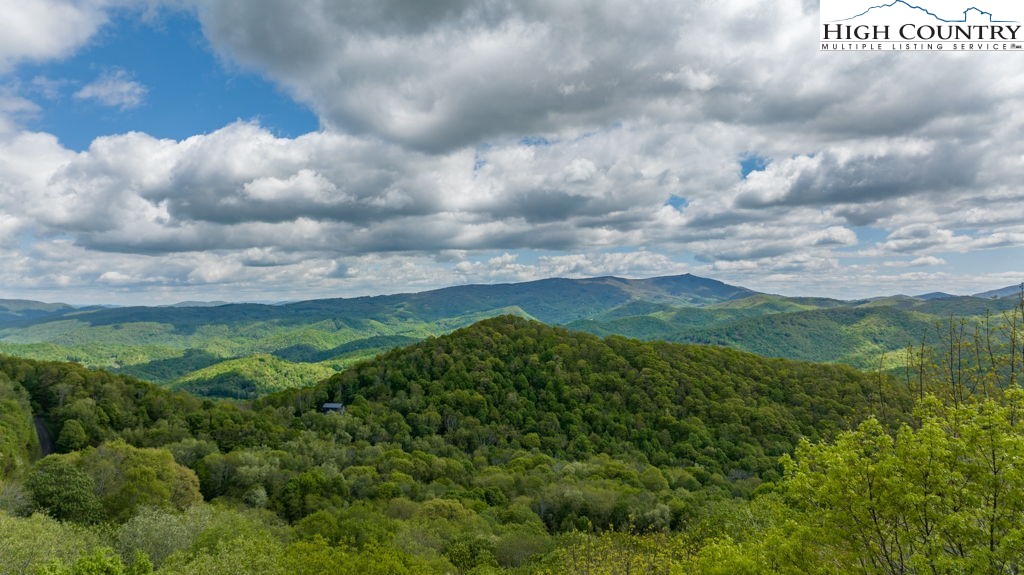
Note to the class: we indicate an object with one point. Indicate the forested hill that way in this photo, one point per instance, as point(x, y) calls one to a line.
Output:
point(858, 333)
point(482, 449)
point(223, 350)
point(504, 385)
point(852, 335)
point(555, 300)
point(12, 310)
point(508, 381)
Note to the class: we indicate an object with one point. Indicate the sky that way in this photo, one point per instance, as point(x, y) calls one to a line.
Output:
point(260, 150)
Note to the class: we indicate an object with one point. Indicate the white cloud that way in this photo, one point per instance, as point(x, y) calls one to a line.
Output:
point(38, 30)
point(441, 75)
point(13, 107)
point(923, 261)
point(116, 89)
point(477, 140)
point(46, 88)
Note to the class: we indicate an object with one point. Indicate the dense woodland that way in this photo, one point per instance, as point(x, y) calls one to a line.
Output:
point(244, 351)
point(514, 447)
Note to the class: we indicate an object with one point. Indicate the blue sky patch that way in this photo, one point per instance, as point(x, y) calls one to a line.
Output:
point(750, 163)
point(187, 90)
point(677, 202)
point(535, 141)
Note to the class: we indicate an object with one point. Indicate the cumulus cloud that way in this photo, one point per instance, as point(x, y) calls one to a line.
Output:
point(923, 261)
point(508, 267)
point(828, 178)
point(466, 71)
point(13, 107)
point(115, 89)
point(480, 140)
point(455, 72)
point(36, 30)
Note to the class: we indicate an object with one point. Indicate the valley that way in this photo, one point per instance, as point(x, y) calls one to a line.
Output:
point(247, 350)
point(510, 446)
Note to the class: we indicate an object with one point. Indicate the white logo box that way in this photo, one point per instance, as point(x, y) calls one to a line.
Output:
point(955, 25)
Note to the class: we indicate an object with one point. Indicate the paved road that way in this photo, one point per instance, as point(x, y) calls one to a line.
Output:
point(46, 444)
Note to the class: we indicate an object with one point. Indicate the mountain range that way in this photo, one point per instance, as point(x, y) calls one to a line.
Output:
point(246, 350)
point(489, 450)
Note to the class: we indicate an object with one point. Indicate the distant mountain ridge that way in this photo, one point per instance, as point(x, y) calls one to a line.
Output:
point(1008, 291)
point(24, 305)
point(555, 300)
point(248, 349)
point(934, 295)
point(19, 309)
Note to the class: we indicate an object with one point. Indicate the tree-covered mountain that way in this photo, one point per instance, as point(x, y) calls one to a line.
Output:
point(505, 379)
point(1008, 291)
point(170, 344)
point(13, 310)
point(511, 447)
point(485, 448)
point(865, 333)
point(246, 350)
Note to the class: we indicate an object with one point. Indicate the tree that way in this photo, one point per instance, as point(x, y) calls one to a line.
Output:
point(62, 490)
point(128, 477)
point(18, 442)
point(72, 436)
point(100, 561)
point(941, 497)
point(28, 543)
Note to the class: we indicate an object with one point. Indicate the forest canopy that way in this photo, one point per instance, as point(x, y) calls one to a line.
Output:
point(511, 446)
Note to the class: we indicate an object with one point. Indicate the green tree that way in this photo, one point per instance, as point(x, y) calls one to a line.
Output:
point(159, 533)
point(944, 496)
point(18, 442)
point(28, 543)
point(62, 490)
point(72, 436)
point(128, 477)
point(101, 561)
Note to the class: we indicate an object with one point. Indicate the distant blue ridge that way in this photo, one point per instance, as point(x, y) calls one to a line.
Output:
point(928, 12)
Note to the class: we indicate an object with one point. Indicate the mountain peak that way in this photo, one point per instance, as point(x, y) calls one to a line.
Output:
point(935, 295)
point(1008, 291)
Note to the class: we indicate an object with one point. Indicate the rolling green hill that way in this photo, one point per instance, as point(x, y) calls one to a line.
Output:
point(1008, 291)
point(251, 376)
point(245, 350)
point(224, 349)
point(579, 394)
point(501, 385)
point(858, 333)
point(15, 310)
point(505, 447)
point(856, 336)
